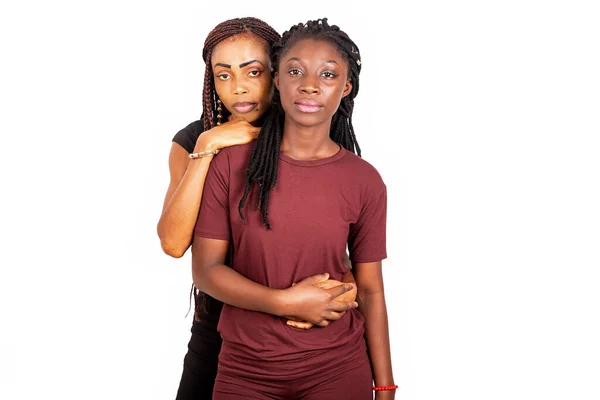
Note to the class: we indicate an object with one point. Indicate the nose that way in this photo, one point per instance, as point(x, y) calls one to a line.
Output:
point(240, 87)
point(310, 86)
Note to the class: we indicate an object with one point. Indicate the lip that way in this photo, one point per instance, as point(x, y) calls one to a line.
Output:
point(308, 106)
point(243, 107)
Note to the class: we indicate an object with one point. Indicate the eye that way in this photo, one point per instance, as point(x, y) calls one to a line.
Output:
point(255, 72)
point(295, 71)
point(224, 76)
point(328, 75)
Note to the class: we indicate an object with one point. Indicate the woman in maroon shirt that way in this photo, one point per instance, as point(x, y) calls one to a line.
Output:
point(238, 89)
point(286, 206)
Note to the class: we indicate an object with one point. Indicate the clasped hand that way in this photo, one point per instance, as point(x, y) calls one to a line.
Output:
point(316, 300)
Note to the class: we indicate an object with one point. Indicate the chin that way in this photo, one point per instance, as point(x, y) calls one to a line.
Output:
point(246, 117)
point(307, 120)
point(252, 119)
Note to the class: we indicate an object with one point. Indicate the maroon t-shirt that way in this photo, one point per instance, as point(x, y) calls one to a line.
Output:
point(315, 209)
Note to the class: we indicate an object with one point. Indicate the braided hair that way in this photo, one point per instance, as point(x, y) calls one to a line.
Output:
point(262, 168)
point(222, 31)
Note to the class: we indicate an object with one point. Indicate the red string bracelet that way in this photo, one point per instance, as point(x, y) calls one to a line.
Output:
point(382, 388)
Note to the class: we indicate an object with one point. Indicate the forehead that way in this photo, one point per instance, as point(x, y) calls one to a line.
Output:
point(240, 48)
point(314, 49)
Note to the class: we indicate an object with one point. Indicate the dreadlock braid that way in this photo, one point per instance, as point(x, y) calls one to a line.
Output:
point(221, 32)
point(264, 159)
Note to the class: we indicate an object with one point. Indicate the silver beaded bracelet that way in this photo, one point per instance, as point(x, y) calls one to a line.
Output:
point(209, 153)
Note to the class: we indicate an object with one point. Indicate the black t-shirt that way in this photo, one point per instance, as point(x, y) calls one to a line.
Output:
point(187, 137)
point(207, 307)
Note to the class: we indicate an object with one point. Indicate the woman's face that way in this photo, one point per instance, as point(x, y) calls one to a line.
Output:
point(312, 79)
point(242, 74)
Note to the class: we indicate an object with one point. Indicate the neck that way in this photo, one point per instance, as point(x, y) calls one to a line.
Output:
point(307, 143)
point(259, 122)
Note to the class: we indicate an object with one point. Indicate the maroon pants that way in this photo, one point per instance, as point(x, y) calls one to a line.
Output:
point(354, 382)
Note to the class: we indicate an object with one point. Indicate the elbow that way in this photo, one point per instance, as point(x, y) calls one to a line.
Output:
point(172, 249)
point(172, 246)
point(198, 277)
point(198, 283)
point(166, 242)
point(368, 290)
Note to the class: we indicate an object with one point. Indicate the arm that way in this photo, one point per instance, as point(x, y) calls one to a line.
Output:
point(303, 301)
point(184, 195)
point(182, 201)
point(371, 297)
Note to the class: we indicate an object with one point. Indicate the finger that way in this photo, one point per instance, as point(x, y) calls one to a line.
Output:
point(341, 289)
point(323, 323)
point(316, 279)
point(299, 324)
point(348, 277)
point(340, 306)
point(334, 316)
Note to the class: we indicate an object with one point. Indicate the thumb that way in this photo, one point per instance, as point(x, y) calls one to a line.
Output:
point(316, 279)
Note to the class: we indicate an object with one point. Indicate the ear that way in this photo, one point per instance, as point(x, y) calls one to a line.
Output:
point(347, 88)
point(276, 80)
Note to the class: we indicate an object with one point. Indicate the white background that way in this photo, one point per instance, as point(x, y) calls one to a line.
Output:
point(482, 117)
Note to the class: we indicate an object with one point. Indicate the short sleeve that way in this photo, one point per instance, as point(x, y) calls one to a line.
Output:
point(188, 136)
point(367, 238)
point(213, 219)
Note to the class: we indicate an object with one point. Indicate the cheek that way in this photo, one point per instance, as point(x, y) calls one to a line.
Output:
point(285, 89)
point(337, 92)
point(264, 88)
point(221, 89)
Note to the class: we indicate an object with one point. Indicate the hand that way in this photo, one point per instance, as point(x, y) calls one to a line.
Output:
point(328, 284)
point(348, 278)
point(230, 133)
point(309, 305)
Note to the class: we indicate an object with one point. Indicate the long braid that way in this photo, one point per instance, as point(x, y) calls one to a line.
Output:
point(223, 31)
point(264, 159)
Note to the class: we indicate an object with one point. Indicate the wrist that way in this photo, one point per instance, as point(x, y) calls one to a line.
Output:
point(386, 382)
point(205, 143)
point(277, 303)
point(204, 154)
point(385, 388)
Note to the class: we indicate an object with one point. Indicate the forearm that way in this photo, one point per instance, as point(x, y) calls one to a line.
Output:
point(230, 287)
point(176, 224)
point(373, 308)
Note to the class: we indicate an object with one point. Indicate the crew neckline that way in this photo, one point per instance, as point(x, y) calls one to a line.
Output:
point(314, 163)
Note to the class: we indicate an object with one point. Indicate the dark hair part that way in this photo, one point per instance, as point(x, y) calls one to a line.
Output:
point(222, 31)
point(262, 168)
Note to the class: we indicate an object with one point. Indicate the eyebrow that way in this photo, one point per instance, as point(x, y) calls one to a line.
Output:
point(242, 65)
point(324, 62)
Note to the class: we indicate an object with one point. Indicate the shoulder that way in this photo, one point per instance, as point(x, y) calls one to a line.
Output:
point(187, 136)
point(193, 129)
point(364, 173)
point(234, 157)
